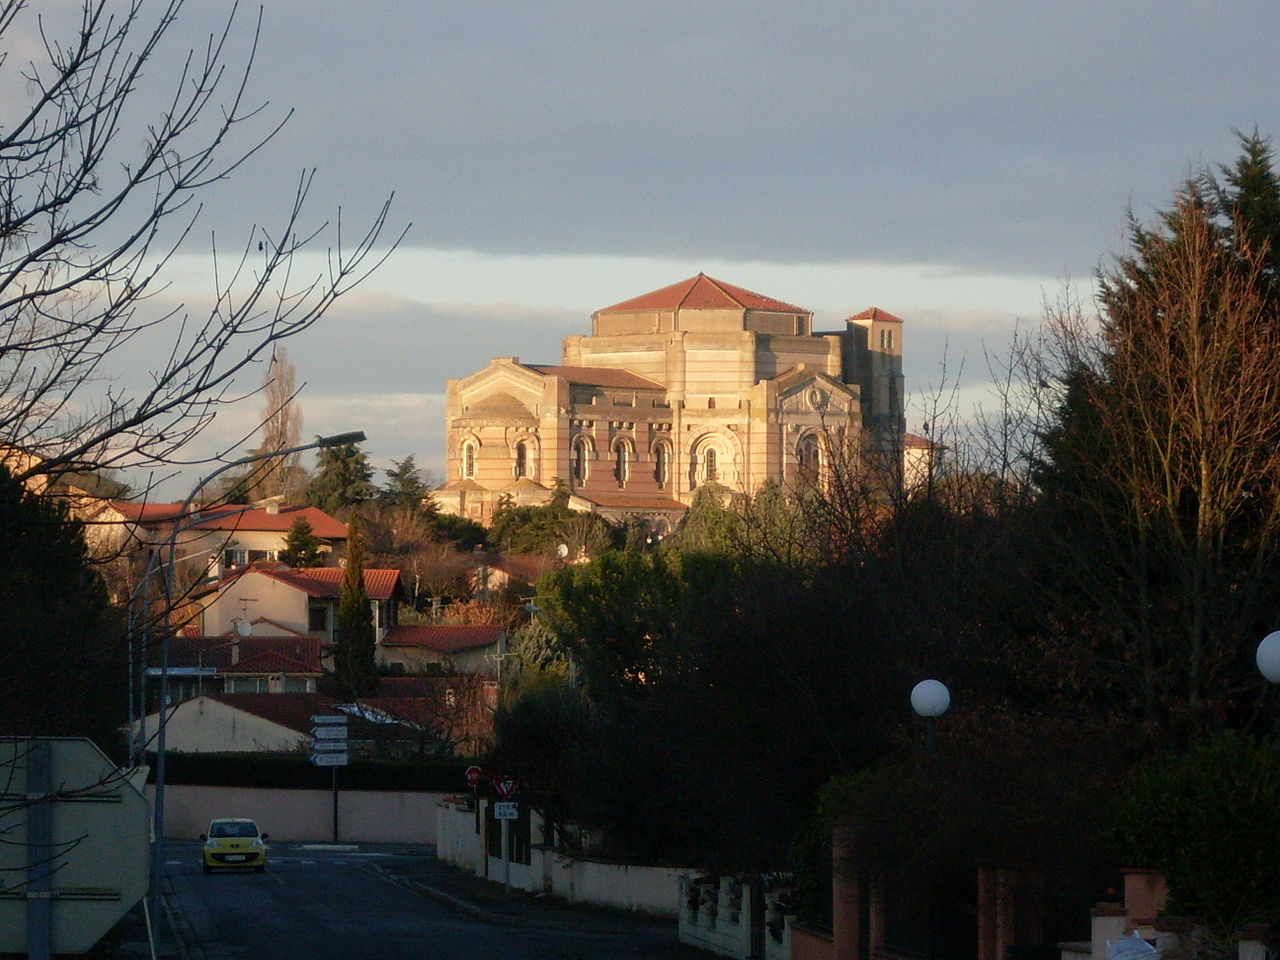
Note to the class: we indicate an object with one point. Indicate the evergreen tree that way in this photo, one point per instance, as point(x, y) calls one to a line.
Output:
point(62, 662)
point(342, 479)
point(1162, 505)
point(1250, 200)
point(354, 668)
point(405, 486)
point(302, 546)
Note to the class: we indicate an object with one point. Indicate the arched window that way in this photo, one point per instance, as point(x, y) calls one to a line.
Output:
point(710, 471)
point(580, 460)
point(468, 461)
point(808, 461)
point(621, 462)
point(522, 460)
point(662, 464)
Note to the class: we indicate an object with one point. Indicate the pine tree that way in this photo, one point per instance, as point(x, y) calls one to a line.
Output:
point(301, 545)
point(342, 479)
point(354, 668)
point(405, 486)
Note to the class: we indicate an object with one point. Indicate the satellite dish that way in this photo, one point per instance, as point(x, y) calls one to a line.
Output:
point(562, 551)
point(244, 627)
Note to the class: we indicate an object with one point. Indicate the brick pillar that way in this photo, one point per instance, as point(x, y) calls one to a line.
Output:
point(845, 891)
point(1145, 894)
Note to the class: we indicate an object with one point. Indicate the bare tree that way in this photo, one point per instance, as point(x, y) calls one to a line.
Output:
point(97, 193)
point(1165, 468)
point(281, 429)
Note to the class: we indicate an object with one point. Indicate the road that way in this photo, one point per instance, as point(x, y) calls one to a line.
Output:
point(315, 904)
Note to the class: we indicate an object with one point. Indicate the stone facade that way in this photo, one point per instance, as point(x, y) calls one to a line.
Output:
point(698, 383)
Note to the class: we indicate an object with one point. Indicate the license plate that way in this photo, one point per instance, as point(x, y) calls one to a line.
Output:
point(235, 856)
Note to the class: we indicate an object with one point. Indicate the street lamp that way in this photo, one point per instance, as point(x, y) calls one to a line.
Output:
point(1268, 656)
point(183, 521)
point(930, 699)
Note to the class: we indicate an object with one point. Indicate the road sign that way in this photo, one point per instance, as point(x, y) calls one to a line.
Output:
point(329, 733)
point(329, 746)
point(329, 719)
point(506, 810)
point(505, 786)
point(330, 759)
point(64, 795)
point(474, 776)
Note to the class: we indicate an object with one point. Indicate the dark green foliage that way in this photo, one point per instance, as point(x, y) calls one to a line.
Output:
point(302, 546)
point(1249, 200)
point(342, 479)
point(354, 669)
point(63, 666)
point(406, 488)
point(542, 529)
point(463, 532)
point(720, 695)
point(294, 771)
point(1209, 819)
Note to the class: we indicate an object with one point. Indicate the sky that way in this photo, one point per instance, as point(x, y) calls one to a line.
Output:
point(954, 164)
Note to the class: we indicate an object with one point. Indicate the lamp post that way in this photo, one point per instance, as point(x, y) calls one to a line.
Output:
point(930, 699)
point(1268, 656)
point(182, 521)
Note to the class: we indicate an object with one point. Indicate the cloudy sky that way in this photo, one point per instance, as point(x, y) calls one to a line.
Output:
point(952, 163)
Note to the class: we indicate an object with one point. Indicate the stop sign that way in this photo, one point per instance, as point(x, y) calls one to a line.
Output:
point(94, 824)
point(474, 776)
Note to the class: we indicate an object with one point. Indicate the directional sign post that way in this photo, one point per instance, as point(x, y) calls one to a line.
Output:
point(329, 749)
point(504, 812)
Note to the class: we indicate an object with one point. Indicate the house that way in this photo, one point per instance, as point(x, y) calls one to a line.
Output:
point(455, 647)
point(288, 663)
point(491, 572)
point(698, 383)
point(272, 598)
point(230, 537)
point(265, 722)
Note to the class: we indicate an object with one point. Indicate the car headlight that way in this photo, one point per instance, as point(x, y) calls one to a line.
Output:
point(257, 844)
point(211, 843)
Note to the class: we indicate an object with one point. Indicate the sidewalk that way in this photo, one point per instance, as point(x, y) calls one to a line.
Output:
point(488, 901)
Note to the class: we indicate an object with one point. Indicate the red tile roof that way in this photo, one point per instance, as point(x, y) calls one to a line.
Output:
point(703, 293)
point(322, 582)
point(875, 313)
point(254, 518)
point(638, 501)
point(291, 710)
point(296, 654)
point(444, 637)
point(597, 376)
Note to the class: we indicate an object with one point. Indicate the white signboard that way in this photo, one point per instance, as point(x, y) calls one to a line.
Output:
point(329, 733)
point(329, 719)
point(506, 810)
point(329, 746)
point(330, 759)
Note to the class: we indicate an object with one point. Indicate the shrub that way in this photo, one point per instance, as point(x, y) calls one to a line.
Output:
point(1209, 819)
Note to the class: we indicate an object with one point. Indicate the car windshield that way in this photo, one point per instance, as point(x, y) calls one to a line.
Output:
point(232, 828)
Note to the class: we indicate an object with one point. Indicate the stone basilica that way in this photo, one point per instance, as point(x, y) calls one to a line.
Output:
point(697, 383)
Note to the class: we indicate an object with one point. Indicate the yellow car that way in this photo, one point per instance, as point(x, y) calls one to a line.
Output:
point(234, 843)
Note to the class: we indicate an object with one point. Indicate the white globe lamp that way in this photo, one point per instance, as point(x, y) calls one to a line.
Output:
point(930, 698)
point(1268, 656)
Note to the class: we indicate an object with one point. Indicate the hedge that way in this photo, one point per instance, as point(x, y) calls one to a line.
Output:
point(289, 771)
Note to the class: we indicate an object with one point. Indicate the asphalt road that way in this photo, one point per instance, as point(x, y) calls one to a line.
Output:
point(316, 904)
